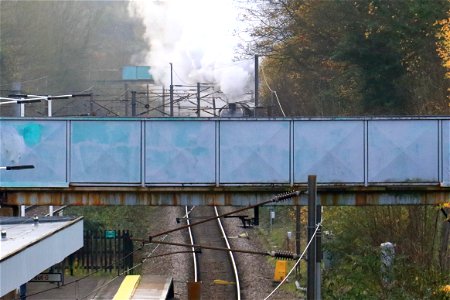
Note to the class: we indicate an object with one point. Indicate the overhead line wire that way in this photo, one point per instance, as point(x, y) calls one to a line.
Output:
point(273, 92)
point(277, 198)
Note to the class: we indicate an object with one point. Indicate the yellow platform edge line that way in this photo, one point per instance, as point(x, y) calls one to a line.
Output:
point(127, 287)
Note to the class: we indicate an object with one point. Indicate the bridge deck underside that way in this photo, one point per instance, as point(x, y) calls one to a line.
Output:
point(175, 197)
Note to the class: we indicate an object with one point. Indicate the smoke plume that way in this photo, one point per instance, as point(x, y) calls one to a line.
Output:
point(198, 38)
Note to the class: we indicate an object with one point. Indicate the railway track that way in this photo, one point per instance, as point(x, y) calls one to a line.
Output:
point(216, 270)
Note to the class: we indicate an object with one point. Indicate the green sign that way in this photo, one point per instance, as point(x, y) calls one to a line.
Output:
point(110, 234)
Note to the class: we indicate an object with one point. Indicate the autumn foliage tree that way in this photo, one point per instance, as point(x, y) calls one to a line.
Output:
point(354, 57)
point(443, 45)
point(365, 57)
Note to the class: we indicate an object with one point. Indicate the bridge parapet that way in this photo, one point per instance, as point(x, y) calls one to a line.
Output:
point(230, 156)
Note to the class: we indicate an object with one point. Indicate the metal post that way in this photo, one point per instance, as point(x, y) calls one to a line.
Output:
point(319, 255)
point(256, 84)
point(22, 114)
point(171, 89)
point(16, 88)
point(198, 99)
point(171, 100)
point(256, 216)
point(214, 106)
point(271, 216)
point(23, 291)
point(148, 96)
point(163, 102)
point(49, 114)
point(126, 99)
point(312, 194)
point(297, 229)
point(133, 103)
point(297, 235)
point(91, 104)
point(49, 108)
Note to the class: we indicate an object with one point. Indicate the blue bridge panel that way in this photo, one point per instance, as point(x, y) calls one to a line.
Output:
point(403, 151)
point(333, 150)
point(254, 152)
point(39, 143)
point(105, 152)
point(225, 152)
point(180, 152)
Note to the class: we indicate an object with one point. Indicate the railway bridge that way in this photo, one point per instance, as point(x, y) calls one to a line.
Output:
point(210, 161)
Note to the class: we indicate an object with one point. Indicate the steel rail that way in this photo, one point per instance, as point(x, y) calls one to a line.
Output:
point(275, 199)
point(191, 237)
point(230, 253)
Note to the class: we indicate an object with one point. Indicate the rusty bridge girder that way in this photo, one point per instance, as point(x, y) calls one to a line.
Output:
point(358, 196)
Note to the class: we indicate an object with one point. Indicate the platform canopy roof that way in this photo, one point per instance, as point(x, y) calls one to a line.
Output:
point(29, 247)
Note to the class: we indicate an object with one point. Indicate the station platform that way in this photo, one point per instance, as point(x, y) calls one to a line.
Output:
point(137, 287)
point(29, 246)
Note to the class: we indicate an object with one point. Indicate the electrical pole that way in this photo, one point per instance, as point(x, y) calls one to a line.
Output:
point(163, 101)
point(50, 114)
point(297, 229)
point(126, 99)
point(198, 99)
point(312, 195)
point(91, 105)
point(318, 252)
point(256, 84)
point(171, 89)
point(133, 103)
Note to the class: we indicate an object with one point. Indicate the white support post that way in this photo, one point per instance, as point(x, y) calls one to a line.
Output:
point(49, 108)
point(49, 114)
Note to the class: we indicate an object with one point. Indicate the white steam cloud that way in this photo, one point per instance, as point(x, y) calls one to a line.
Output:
point(197, 37)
